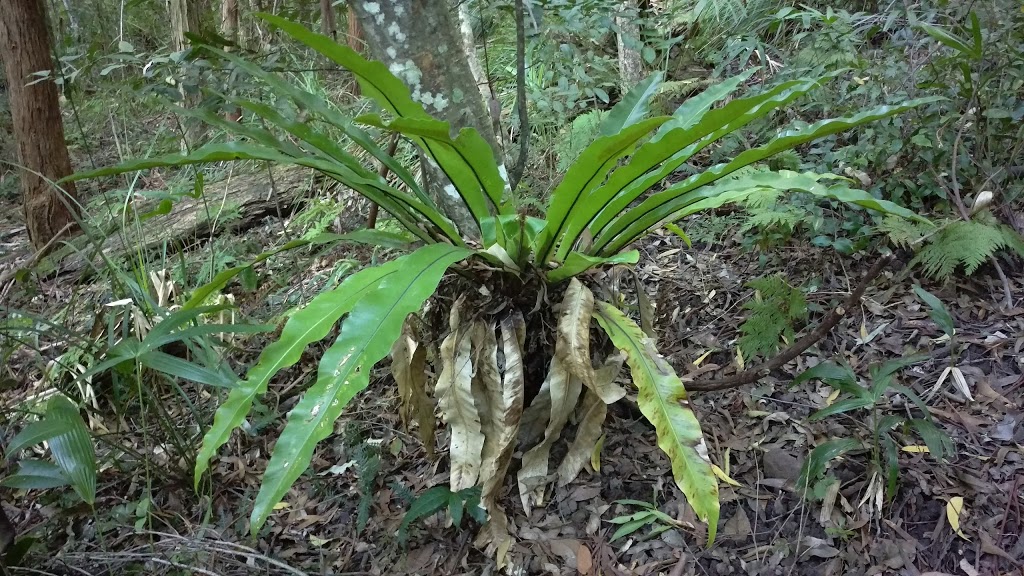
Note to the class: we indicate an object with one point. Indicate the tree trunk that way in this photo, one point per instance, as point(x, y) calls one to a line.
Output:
point(631, 65)
point(229, 30)
point(327, 24)
point(73, 25)
point(38, 127)
point(421, 44)
point(355, 41)
point(184, 18)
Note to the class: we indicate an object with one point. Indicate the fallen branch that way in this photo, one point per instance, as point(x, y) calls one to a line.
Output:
point(756, 373)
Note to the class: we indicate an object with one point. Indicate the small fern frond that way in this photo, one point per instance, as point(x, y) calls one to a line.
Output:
point(966, 243)
point(1014, 241)
point(767, 198)
point(775, 309)
point(760, 219)
point(901, 232)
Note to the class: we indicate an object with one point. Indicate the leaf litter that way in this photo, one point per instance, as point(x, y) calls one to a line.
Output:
point(958, 517)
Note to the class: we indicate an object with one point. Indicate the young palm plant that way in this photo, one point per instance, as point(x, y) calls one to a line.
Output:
point(503, 335)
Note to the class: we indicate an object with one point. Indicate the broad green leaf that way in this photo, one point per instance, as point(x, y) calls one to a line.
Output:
point(181, 368)
point(35, 474)
point(693, 109)
point(35, 433)
point(938, 442)
point(430, 502)
point(950, 40)
point(691, 196)
point(304, 326)
point(577, 263)
point(633, 525)
point(937, 311)
point(842, 407)
point(73, 450)
point(633, 106)
point(586, 174)
point(890, 367)
point(467, 160)
point(831, 373)
point(367, 334)
point(519, 232)
point(696, 128)
point(329, 114)
point(821, 455)
point(391, 94)
point(408, 210)
point(675, 229)
point(637, 221)
point(368, 236)
point(663, 401)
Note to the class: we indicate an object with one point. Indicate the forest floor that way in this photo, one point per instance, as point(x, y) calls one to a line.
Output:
point(759, 434)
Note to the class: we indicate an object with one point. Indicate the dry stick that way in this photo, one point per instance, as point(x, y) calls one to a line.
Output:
point(37, 255)
point(758, 372)
point(371, 220)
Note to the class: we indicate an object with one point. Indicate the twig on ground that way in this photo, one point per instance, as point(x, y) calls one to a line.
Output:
point(756, 373)
point(10, 274)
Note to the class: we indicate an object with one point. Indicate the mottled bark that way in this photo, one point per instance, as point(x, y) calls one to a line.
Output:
point(184, 18)
point(420, 43)
point(631, 65)
point(327, 25)
point(38, 127)
point(355, 41)
point(469, 42)
point(229, 30)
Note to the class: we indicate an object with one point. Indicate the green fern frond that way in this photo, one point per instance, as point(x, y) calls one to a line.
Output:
point(764, 198)
point(367, 459)
point(964, 243)
point(776, 307)
point(760, 219)
point(1014, 241)
point(901, 232)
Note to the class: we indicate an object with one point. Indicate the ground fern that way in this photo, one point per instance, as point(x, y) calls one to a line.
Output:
point(774, 310)
point(966, 243)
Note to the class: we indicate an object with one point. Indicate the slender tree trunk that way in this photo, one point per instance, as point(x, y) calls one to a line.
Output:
point(420, 42)
point(73, 26)
point(184, 15)
point(631, 65)
point(355, 41)
point(38, 127)
point(229, 30)
point(327, 25)
point(469, 41)
point(184, 18)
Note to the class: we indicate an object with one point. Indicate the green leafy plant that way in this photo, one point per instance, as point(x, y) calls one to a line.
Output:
point(70, 443)
point(606, 201)
point(441, 498)
point(776, 306)
point(648, 515)
point(873, 399)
